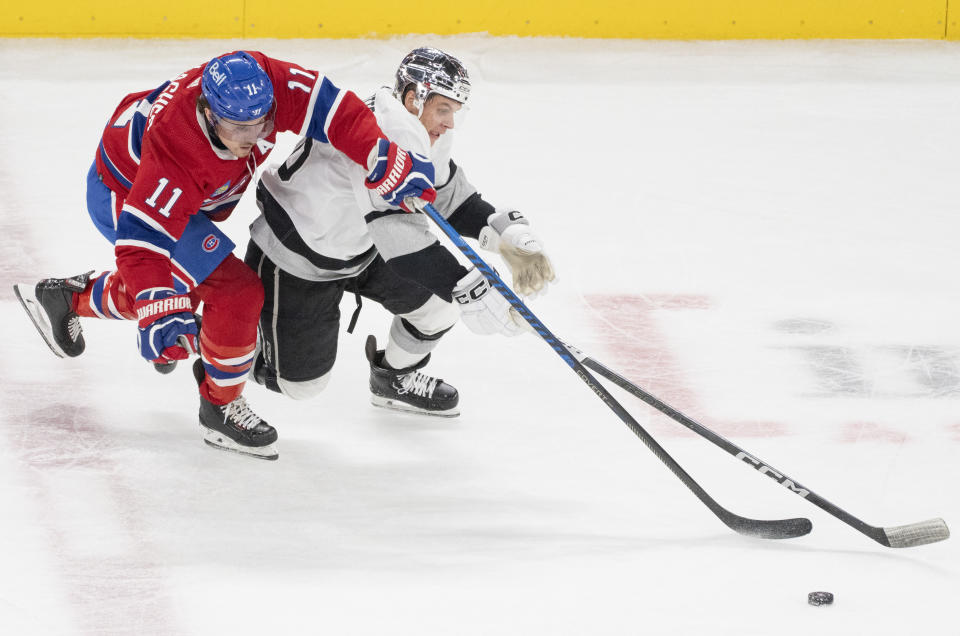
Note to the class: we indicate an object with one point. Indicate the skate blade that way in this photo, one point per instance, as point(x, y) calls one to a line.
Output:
point(38, 317)
point(396, 405)
point(222, 442)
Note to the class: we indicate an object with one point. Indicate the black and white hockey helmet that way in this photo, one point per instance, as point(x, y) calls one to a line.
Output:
point(432, 72)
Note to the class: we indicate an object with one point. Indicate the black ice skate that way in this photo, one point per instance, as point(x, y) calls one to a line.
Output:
point(408, 389)
point(49, 306)
point(234, 426)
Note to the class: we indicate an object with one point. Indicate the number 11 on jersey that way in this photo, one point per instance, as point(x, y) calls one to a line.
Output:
point(152, 201)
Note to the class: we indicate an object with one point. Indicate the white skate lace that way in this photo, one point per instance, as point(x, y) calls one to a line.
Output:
point(240, 411)
point(417, 383)
point(73, 327)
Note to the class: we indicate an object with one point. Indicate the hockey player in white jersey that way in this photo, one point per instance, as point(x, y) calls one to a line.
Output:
point(319, 235)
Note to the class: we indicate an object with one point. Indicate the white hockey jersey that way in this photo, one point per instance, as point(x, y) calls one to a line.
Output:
point(320, 222)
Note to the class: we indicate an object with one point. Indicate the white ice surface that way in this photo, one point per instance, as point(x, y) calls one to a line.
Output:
point(763, 234)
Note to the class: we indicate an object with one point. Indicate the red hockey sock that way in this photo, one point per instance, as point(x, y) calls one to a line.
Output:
point(226, 369)
point(105, 297)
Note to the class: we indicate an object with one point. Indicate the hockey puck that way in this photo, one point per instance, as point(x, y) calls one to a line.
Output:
point(820, 598)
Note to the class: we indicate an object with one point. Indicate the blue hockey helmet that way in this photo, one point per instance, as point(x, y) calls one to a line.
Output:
point(236, 87)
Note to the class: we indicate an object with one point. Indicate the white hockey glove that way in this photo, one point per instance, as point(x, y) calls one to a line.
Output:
point(509, 233)
point(483, 309)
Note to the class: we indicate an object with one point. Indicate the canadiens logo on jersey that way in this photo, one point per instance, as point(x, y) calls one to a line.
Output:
point(220, 190)
point(210, 243)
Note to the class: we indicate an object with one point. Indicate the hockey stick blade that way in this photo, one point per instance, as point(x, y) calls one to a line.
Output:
point(765, 529)
point(914, 534)
point(768, 529)
point(908, 536)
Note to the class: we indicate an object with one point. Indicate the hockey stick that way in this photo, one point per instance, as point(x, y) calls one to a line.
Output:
point(907, 536)
point(766, 529)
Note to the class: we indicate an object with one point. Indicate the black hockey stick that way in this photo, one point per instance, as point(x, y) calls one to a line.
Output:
point(907, 536)
point(766, 529)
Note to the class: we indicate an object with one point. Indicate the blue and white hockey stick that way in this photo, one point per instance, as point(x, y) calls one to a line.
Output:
point(766, 529)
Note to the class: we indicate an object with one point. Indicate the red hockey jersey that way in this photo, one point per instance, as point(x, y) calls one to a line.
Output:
point(157, 154)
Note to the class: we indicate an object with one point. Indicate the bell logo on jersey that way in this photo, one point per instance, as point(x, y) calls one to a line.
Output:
point(210, 243)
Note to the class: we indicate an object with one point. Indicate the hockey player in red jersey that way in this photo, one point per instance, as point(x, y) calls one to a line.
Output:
point(172, 161)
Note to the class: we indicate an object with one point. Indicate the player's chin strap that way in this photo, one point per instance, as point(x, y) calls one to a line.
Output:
point(767, 529)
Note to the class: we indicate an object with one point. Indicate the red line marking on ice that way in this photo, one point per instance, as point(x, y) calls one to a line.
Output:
point(955, 429)
point(124, 592)
point(628, 328)
point(128, 592)
point(870, 432)
point(638, 347)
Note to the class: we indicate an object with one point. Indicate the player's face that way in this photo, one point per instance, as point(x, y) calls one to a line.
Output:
point(437, 115)
point(240, 136)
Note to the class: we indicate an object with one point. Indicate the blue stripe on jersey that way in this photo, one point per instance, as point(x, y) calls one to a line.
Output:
point(137, 125)
point(326, 97)
point(126, 183)
point(156, 92)
point(130, 228)
point(139, 122)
